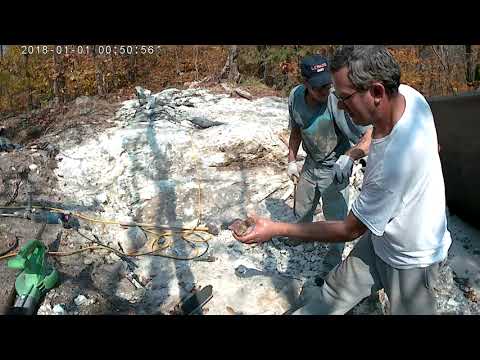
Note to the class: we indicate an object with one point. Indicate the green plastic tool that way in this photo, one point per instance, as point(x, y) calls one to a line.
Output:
point(36, 277)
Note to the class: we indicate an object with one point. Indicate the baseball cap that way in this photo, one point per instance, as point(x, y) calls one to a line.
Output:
point(316, 71)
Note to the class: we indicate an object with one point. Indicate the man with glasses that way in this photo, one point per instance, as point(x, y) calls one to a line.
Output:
point(327, 136)
point(400, 212)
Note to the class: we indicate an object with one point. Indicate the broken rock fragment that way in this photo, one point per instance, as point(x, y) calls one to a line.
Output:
point(242, 227)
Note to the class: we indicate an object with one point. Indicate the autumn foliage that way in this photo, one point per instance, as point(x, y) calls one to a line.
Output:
point(35, 80)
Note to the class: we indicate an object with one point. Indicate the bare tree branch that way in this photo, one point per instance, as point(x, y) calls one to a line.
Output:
point(445, 68)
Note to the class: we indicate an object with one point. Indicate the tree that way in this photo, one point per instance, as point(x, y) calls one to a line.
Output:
point(441, 51)
point(470, 70)
point(99, 73)
point(195, 59)
point(1, 82)
point(262, 50)
point(59, 78)
point(29, 83)
point(132, 67)
point(230, 70)
point(176, 50)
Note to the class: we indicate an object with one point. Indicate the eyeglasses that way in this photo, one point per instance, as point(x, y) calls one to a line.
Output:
point(344, 98)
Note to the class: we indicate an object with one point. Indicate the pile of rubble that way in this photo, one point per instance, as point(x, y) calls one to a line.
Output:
point(178, 156)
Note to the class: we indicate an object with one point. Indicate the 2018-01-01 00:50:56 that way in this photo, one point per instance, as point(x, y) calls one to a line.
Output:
point(89, 49)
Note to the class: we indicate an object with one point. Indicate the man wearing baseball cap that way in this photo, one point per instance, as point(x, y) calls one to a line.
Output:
point(332, 143)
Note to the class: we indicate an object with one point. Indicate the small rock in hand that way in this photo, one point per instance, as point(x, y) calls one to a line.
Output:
point(242, 227)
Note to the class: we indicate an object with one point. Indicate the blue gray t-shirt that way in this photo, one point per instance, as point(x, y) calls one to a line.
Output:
point(327, 132)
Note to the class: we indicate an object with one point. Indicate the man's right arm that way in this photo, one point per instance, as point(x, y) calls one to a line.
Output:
point(322, 231)
point(294, 143)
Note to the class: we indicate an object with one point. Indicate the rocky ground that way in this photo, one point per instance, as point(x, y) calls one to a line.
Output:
point(178, 158)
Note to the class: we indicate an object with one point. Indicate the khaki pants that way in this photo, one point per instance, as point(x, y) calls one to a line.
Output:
point(410, 291)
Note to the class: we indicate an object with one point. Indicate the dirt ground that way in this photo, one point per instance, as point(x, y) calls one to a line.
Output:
point(34, 131)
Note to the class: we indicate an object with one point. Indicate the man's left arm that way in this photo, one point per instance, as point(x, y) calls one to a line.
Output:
point(361, 148)
point(343, 167)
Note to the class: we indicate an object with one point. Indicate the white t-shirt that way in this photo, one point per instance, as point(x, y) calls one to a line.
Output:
point(402, 201)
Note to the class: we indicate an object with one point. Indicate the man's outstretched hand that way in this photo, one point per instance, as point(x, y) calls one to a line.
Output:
point(263, 231)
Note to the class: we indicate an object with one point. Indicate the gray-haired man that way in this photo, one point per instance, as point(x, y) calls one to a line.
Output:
point(400, 212)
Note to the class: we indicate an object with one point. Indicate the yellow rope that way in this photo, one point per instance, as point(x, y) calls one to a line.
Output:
point(115, 222)
point(167, 232)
